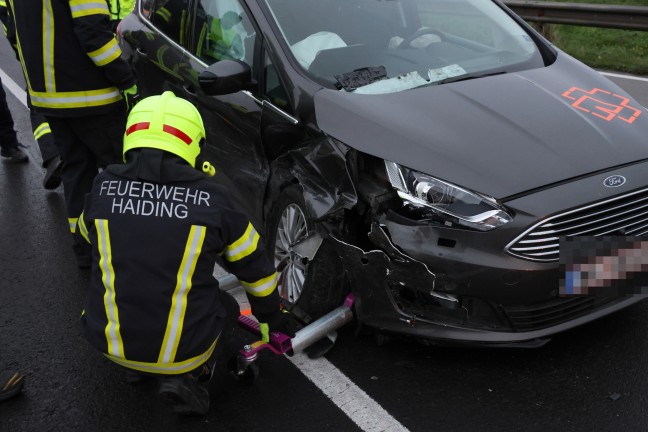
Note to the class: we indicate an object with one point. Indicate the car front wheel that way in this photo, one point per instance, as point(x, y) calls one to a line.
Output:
point(314, 285)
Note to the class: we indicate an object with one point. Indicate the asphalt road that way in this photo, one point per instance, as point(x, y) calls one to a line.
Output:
point(589, 379)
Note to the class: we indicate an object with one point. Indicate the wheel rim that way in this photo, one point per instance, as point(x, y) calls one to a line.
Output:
point(291, 229)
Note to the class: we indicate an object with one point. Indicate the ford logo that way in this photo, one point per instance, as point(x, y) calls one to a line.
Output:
point(614, 181)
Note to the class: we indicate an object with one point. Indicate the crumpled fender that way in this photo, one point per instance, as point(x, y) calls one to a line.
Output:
point(322, 169)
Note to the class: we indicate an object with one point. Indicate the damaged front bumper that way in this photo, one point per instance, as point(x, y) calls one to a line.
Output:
point(398, 294)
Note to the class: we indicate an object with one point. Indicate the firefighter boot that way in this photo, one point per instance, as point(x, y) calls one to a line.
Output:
point(184, 394)
point(52, 178)
point(14, 154)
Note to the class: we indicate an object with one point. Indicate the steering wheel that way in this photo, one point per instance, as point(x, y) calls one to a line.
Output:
point(417, 34)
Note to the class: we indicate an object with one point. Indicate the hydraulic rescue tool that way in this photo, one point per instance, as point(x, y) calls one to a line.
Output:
point(243, 365)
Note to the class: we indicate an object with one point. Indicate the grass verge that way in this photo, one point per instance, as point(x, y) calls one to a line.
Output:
point(601, 48)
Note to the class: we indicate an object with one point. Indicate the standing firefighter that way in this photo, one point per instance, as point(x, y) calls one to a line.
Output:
point(119, 9)
point(157, 226)
point(42, 132)
point(78, 81)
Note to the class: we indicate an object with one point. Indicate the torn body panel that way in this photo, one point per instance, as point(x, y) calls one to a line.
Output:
point(320, 168)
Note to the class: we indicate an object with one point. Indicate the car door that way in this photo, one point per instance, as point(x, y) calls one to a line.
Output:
point(224, 30)
point(160, 50)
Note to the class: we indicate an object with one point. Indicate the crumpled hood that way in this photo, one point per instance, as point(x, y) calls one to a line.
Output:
point(500, 135)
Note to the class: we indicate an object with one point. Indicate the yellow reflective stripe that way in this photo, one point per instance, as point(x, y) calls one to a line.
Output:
point(244, 246)
point(262, 287)
point(14, 380)
point(164, 14)
point(20, 54)
point(166, 368)
point(73, 224)
point(81, 8)
point(83, 229)
point(179, 301)
point(42, 130)
point(183, 20)
point(160, 62)
point(113, 334)
point(76, 99)
point(48, 46)
point(3, 3)
point(106, 53)
point(201, 40)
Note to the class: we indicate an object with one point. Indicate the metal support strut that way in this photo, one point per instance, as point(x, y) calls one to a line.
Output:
point(281, 344)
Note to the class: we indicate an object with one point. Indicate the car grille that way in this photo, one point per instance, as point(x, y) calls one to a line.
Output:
point(625, 215)
point(555, 311)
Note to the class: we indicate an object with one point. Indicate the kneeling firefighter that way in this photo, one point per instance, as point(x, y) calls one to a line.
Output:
point(157, 227)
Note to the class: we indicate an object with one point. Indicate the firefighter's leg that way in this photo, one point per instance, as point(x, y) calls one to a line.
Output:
point(49, 153)
point(224, 346)
point(103, 136)
point(85, 143)
point(9, 145)
point(188, 393)
point(78, 173)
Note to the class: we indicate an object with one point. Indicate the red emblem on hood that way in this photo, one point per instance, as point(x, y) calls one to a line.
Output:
point(603, 104)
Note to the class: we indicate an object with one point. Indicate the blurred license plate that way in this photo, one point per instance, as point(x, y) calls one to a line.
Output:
point(603, 266)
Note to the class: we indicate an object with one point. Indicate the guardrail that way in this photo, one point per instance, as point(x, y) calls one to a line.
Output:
point(583, 14)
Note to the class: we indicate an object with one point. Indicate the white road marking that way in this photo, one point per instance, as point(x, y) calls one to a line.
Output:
point(14, 88)
point(355, 403)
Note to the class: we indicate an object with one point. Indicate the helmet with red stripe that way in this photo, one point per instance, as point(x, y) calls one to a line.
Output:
point(168, 123)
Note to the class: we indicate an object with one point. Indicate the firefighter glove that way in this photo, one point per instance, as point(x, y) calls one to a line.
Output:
point(281, 321)
point(131, 97)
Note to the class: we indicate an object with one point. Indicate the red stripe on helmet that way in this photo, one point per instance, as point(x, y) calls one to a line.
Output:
point(166, 128)
point(137, 126)
point(177, 133)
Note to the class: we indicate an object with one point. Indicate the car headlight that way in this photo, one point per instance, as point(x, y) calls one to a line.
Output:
point(451, 203)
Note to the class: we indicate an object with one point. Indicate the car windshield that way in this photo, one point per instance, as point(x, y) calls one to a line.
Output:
point(384, 46)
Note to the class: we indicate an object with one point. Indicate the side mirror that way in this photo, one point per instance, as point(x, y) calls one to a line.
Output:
point(225, 77)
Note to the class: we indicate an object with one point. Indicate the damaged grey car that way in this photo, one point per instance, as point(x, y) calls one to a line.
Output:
point(426, 155)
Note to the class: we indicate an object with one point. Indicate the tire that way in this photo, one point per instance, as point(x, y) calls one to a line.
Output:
point(312, 287)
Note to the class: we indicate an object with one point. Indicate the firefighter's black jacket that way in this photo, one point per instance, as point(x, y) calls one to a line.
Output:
point(157, 227)
point(70, 56)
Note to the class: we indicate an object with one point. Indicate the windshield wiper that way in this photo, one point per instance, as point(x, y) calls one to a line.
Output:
point(467, 77)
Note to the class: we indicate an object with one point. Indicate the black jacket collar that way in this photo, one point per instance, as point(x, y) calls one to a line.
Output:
point(156, 166)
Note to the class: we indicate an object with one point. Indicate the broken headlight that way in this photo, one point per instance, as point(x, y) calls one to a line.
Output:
point(454, 205)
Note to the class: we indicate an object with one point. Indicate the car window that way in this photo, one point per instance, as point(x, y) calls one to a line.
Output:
point(406, 43)
point(169, 16)
point(273, 89)
point(223, 31)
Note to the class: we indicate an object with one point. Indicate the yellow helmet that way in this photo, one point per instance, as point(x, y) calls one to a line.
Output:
point(168, 123)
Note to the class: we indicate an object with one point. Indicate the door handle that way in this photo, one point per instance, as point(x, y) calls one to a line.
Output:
point(189, 89)
point(140, 52)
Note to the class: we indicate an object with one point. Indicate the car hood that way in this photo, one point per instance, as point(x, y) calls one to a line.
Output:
point(500, 135)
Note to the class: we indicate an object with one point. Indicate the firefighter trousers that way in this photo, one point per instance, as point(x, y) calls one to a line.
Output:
point(8, 138)
point(85, 145)
point(42, 134)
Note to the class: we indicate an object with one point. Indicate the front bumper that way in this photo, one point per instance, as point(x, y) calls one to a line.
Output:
point(399, 295)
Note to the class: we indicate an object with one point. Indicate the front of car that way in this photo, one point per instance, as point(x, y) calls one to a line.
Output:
point(476, 146)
